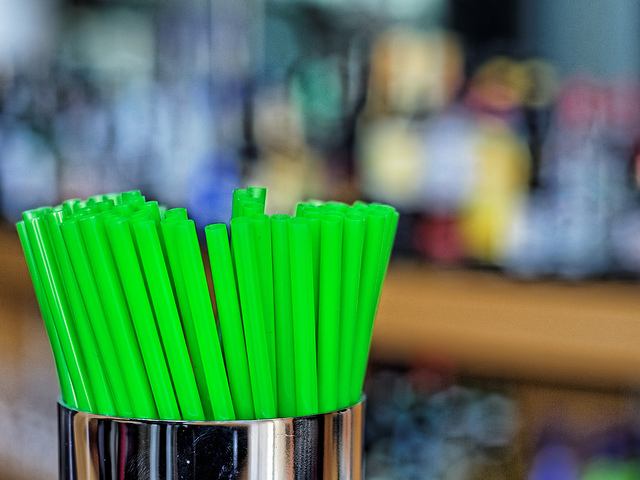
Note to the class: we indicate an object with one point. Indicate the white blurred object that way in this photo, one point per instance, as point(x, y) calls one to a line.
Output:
point(449, 162)
point(390, 161)
point(110, 41)
point(27, 165)
point(26, 29)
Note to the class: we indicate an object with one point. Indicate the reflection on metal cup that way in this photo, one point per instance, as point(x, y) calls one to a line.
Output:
point(323, 446)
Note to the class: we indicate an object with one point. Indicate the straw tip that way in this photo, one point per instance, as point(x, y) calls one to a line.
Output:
point(215, 227)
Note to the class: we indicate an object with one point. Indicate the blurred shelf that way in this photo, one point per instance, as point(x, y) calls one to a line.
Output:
point(15, 282)
point(486, 323)
point(481, 322)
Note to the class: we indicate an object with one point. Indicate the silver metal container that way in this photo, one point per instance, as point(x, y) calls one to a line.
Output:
point(325, 446)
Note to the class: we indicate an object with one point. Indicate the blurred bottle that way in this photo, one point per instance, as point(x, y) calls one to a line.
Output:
point(501, 158)
point(585, 170)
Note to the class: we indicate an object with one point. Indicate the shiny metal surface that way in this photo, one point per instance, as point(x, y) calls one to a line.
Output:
point(325, 446)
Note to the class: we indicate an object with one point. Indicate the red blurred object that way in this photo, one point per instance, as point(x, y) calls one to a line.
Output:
point(438, 238)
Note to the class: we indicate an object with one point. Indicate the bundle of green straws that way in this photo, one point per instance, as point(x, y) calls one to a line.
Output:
point(123, 292)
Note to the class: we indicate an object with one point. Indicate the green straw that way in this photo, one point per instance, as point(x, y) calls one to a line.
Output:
point(238, 195)
point(204, 321)
point(259, 193)
point(251, 207)
point(130, 196)
point(337, 206)
point(261, 229)
point(390, 227)
point(115, 196)
point(114, 369)
point(179, 212)
point(123, 209)
point(329, 311)
point(367, 299)
point(66, 389)
point(315, 219)
point(303, 305)
point(181, 284)
point(285, 365)
point(121, 240)
point(68, 206)
point(253, 318)
point(119, 320)
point(153, 209)
point(105, 205)
point(352, 243)
point(164, 305)
point(235, 350)
point(300, 209)
point(86, 339)
point(118, 278)
point(47, 266)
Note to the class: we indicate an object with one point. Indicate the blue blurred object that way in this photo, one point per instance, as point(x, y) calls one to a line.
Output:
point(555, 462)
point(28, 171)
point(211, 186)
point(436, 430)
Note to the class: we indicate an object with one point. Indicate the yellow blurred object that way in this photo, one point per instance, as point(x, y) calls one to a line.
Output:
point(500, 84)
point(286, 165)
point(503, 168)
point(278, 122)
point(413, 71)
point(390, 161)
point(290, 179)
point(541, 83)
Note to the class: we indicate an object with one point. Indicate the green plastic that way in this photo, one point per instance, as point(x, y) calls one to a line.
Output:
point(47, 265)
point(118, 318)
point(123, 209)
point(390, 227)
point(300, 209)
point(264, 401)
point(337, 206)
point(68, 205)
point(259, 193)
point(126, 259)
point(226, 293)
point(130, 196)
point(251, 207)
point(315, 219)
point(285, 365)
point(261, 229)
point(179, 212)
point(329, 311)
point(87, 342)
point(303, 308)
point(204, 321)
point(367, 298)
point(180, 284)
point(352, 243)
point(81, 266)
point(66, 388)
point(236, 208)
point(164, 305)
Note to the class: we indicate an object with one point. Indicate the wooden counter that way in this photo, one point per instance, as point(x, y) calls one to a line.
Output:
point(486, 323)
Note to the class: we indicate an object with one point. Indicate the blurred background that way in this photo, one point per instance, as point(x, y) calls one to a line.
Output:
point(506, 132)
